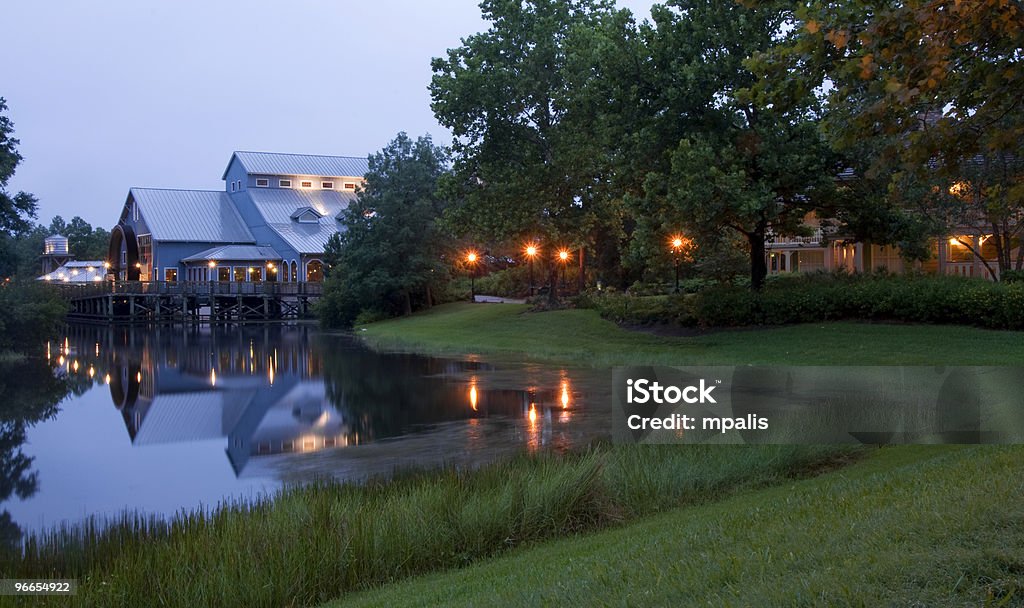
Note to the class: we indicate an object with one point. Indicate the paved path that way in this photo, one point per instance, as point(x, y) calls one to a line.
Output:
point(497, 300)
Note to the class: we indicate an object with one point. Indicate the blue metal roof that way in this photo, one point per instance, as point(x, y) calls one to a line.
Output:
point(191, 216)
point(278, 205)
point(236, 253)
point(274, 163)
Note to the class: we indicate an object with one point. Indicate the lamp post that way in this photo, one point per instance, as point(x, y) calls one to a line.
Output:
point(563, 256)
point(531, 252)
point(677, 250)
point(471, 260)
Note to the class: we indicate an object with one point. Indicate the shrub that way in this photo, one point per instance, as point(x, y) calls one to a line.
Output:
point(30, 314)
point(825, 297)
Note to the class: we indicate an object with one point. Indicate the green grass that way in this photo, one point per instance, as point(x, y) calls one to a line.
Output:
point(581, 336)
point(919, 526)
point(316, 543)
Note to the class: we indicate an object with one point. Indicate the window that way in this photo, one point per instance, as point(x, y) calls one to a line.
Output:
point(239, 272)
point(285, 183)
point(350, 186)
point(170, 274)
point(327, 185)
point(232, 186)
point(262, 182)
point(307, 184)
point(314, 271)
point(224, 274)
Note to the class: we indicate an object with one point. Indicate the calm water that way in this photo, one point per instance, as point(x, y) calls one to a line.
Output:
point(160, 420)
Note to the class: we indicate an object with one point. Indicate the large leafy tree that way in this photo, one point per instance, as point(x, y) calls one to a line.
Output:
point(939, 85)
point(524, 169)
point(15, 208)
point(746, 162)
point(388, 255)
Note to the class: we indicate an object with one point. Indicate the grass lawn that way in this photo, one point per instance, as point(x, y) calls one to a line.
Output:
point(915, 526)
point(581, 336)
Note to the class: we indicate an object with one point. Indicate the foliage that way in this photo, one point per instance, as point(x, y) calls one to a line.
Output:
point(934, 88)
point(29, 394)
point(829, 297)
point(389, 252)
point(312, 544)
point(30, 314)
point(934, 526)
point(15, 209)
point(525, 164)
point(748, 164)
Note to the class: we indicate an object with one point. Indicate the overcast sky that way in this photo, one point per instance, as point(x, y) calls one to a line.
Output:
point(110, 94)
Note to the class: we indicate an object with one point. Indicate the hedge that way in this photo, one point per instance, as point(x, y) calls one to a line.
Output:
point(813, 298)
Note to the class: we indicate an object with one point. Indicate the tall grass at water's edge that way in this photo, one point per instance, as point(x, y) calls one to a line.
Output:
point(311, 544)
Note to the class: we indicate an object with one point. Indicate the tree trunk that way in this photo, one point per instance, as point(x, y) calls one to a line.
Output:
point(553, 284)
point(758, 265)
point(406, 303)
point(429, 297)
point(579, 278)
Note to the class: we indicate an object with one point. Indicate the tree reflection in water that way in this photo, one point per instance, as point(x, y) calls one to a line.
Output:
point(30, 391)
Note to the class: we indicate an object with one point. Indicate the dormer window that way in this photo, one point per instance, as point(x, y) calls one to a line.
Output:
point(232, 186)
point(307, 184)
point(284, 183)
point(327, 185)
point(262, 182)
point(350, 186)
point(306, 215)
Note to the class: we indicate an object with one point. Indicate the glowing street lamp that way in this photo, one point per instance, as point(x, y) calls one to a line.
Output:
point(563, 257)
point(677, 242)
point(531, 252)
point(471, 259)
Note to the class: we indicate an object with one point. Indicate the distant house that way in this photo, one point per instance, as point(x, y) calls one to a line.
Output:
point(77, 271)
point(821, 250)
point(271, 223)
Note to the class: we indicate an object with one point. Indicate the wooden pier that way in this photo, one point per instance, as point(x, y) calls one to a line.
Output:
point(190, 302)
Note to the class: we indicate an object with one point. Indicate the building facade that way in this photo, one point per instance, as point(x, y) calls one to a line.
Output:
point(952, 254)
point(271, 222)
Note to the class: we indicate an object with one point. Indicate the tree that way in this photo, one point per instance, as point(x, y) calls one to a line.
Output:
point(15, 209)
point(940, 84)
point(389, 251)
point(524, 171)
point(747, 162)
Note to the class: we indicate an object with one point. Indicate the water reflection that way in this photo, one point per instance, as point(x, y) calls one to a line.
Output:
point(29, 394)
point(290, 402)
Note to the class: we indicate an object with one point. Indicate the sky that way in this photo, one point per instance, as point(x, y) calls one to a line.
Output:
point(110, 94)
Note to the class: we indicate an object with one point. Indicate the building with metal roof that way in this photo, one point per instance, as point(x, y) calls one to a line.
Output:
point(271, 223)
point(77, 271)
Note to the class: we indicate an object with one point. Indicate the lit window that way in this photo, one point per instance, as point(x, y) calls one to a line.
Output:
point(307, 184)
point(263, 183)
point(327, 185)
point(285, 183)
point(350, 186)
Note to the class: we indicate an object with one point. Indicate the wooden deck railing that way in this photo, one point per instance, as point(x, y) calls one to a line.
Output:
point(189, 288)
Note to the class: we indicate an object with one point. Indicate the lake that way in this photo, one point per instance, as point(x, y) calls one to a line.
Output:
point(159, 420)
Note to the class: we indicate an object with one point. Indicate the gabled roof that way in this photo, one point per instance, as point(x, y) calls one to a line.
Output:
point(235, 253)
point(77, 271)
point(277, 205)
point(303, 211)
point(275, 163)
point(191, 216)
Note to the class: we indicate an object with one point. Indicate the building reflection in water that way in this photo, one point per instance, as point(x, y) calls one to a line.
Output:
point(275, 389)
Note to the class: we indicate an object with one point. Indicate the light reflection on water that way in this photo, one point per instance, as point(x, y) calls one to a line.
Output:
point(284, 404)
